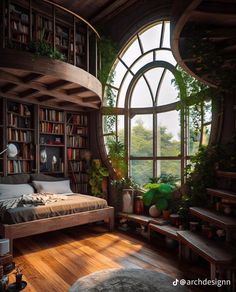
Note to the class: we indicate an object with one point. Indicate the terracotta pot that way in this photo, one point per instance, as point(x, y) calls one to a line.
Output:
point(166, 214)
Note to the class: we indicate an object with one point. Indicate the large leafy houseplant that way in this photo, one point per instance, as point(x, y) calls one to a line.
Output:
point(116, 154)
point(158, 194)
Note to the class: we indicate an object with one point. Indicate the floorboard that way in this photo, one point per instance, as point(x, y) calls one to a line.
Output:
point(54, 261)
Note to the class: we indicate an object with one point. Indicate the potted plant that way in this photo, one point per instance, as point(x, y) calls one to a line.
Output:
point(116, 154)
point(159, 195)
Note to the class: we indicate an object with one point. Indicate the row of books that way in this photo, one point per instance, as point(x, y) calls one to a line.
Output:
point(18, 122)
point(76, 130)
point(81, 178)
point(82, 188)
point(73, 154)
point(47, 127)
point(25, 151)
point(81, 120)
point(20, 135)
point(77, 166)
point(18, 166)
point(19, 108)
point(43, 23)
point(19, 27)
point(77, 141)
point(51, 115)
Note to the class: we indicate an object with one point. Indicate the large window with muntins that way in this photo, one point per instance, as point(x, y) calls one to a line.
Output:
point(158, 136)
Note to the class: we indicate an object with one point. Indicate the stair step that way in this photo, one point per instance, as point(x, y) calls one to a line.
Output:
point(167, 230)
point(228, 174)
point(210, 250)
point(222, 221)
point(222, 194)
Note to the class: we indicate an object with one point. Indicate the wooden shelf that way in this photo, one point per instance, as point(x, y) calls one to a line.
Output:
point(18, 114)
point(167, 230)
point(222, 194)
point(53, 122)
point(47, 133)
point(227, 174)
point(219, 220)
point(21, 129)
point(15, 141)
point(141, 219)
point(210, 250)
point(52, 145)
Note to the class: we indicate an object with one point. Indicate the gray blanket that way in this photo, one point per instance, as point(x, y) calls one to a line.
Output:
point(35, 199)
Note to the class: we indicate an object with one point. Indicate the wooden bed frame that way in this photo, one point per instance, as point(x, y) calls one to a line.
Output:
point(19, 230)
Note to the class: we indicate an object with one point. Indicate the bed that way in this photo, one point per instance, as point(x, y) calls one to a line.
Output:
point(21, 220)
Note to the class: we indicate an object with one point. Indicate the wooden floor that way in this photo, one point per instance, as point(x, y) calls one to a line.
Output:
point(54, 261)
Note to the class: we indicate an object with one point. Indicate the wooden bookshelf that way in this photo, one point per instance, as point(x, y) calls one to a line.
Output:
point(1, 140)
point(52, 140)
point(77, 145)
point(20, 132)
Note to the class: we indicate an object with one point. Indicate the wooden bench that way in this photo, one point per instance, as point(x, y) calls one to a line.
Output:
point(218, 255)
point(167, 230)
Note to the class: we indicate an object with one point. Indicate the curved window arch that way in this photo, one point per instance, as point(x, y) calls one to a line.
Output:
point(158, 137)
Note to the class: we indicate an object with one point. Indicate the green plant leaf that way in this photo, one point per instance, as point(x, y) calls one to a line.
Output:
point(161, 204)
point(148, 197)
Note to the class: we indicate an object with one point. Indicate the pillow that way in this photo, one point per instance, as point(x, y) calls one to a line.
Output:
point(44, 177)
point(56, 187)
point(8, 191)
point(15, 179)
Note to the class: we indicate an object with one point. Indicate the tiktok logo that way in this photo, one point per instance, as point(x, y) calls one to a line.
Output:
point(175, 282)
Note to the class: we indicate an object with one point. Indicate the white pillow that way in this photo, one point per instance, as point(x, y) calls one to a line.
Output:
point(56, 187)
point(9, 191)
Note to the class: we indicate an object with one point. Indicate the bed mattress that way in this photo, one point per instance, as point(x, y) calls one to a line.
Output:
point(74, 204)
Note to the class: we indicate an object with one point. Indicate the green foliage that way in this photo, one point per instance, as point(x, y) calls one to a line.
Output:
point(158, 194)
point(165, 178)
point(96, 174)
point(42, 48)
point(116, 153)
point(125, 183)
point(108, 51)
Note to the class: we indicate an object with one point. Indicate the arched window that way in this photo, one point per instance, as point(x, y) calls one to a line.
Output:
point(158, 137)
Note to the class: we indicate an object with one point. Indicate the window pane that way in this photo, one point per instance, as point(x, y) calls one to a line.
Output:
point(167, 93)
point(110, 96)
point(151, 38)
point(119, 73)
point(166, 38)
point(165, 55)
point(141, 171)
point(142, 62)
point(207, 108)
point(142, 135)
point(123, 90)
point(168, 134)
point(172, 167)
point(109, 124)
point(194, 130)
point(120, 127)
point(132, 53)
point(206, 134)
point(153, 76)
point(141, 96)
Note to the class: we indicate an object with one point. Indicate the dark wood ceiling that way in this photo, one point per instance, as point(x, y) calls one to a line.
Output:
point(95, 10)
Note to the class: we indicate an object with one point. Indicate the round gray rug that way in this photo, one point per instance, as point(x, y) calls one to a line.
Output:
point(127, 280)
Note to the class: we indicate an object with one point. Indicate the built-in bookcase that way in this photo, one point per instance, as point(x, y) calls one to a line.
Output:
point(52, 141)
point(77, 148)
point(21, 136)
point(45, 140)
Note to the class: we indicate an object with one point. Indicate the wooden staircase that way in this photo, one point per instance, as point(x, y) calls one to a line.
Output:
point(220, 255)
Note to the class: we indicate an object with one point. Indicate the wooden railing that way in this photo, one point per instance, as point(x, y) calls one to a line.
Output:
point(26, 23)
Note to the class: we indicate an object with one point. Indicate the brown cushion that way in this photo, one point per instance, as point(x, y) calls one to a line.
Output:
point(15, 179)
point(44, 177)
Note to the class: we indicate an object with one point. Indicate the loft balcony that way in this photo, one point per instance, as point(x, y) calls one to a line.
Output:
point(48, 55)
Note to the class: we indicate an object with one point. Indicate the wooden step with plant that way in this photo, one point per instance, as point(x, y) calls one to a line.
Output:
point(222, 221)
point(224, 194)
point(218, 254)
